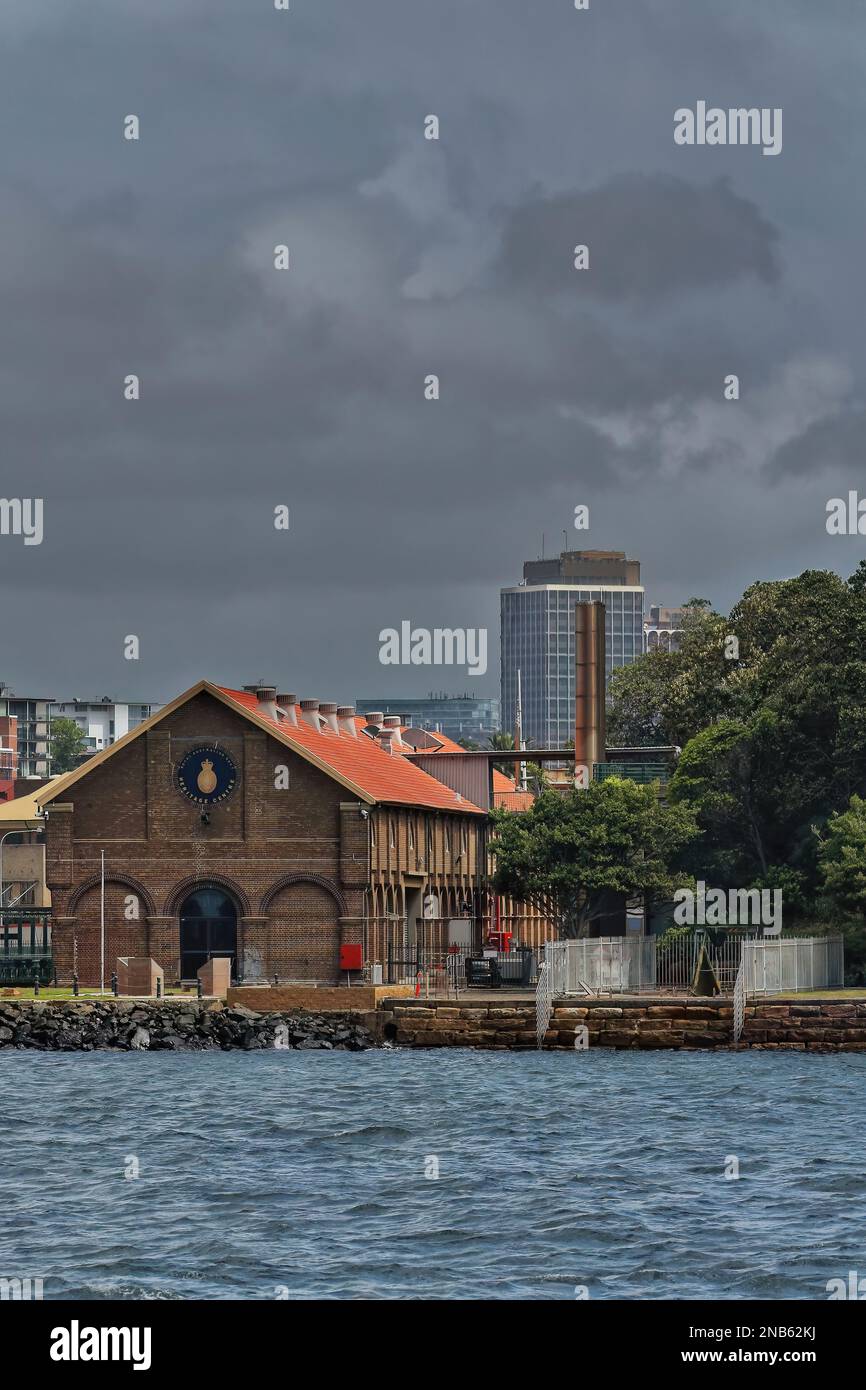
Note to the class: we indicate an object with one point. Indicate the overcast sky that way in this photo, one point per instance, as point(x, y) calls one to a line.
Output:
point(409, 257)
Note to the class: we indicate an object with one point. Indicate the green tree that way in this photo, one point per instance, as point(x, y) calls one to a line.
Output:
point(571, 850)
point(67, 745)
point(668, 697)
point(726, 776)
point(504, 741)
point(775, 695)
point(842, 896)
point(842, 859)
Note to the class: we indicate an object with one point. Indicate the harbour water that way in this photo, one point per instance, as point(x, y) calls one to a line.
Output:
point(314, 1174)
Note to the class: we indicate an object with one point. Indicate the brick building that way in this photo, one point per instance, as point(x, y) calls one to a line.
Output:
point(246, 823)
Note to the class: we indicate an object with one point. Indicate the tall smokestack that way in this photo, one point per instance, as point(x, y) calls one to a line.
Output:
point(589, 690)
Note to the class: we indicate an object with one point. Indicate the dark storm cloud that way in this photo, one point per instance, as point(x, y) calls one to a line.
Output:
point(649, 236)
point(832, 445)
point(408, 258)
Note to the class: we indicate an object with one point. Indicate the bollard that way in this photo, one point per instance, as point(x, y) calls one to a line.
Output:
point(114, 984)
point(158, 987)
point(198, 989)
point(75, 986)
point(36, 987)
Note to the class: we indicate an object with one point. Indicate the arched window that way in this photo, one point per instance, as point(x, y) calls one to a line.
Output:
point(208, 928)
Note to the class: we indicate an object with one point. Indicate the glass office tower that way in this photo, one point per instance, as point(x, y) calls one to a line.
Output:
point(537, 638)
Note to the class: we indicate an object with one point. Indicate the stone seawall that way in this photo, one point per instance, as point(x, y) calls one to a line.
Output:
point(804, 1025)
point(264, 999)
point(185, 1026)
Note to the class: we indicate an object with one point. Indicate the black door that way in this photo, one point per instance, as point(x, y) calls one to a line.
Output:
point(208, 927)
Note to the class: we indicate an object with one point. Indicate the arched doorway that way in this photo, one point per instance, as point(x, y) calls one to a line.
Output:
point(208, 927)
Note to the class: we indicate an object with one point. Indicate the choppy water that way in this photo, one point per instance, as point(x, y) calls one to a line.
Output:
point(306, 1172)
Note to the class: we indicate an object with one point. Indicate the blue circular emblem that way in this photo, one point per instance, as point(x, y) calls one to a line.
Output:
point(206, 774)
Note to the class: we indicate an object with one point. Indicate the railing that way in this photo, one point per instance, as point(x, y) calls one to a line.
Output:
point(776, 965)
point(768, 965)
point(739, 1002)
point(543, 1002)
point(602, 965)
point(449, 972)
point(677, 959)
point(23, 932)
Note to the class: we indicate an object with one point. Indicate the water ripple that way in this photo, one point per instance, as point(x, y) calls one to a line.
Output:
point(398, 1174)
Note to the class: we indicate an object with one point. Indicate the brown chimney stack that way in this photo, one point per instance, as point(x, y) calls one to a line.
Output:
point(589, 688)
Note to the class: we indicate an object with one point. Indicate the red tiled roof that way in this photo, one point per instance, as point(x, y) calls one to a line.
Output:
point(383, 776)
point(514, 800)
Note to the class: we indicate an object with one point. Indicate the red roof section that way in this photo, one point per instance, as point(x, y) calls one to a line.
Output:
point(505, 791)
point(387, 777)
point(514, 800)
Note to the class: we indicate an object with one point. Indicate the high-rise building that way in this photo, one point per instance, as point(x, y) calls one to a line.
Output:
point(537, 635)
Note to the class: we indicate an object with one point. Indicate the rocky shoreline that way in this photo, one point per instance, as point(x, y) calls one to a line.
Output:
point(133, 1025)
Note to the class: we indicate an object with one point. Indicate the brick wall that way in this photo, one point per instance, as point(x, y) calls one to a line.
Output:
point(295, 861)
point(279, 854)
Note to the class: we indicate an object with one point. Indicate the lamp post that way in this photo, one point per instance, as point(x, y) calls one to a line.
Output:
point(102, 925)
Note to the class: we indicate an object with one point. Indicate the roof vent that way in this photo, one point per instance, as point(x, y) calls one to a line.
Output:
point(392, 722)
point(310, 714)
point(287, 705)
point(329, 715)
point(266, 695)
point(346, 720)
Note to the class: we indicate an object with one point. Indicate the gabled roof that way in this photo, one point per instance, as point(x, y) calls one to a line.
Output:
point(383, 776)
point(358, 764)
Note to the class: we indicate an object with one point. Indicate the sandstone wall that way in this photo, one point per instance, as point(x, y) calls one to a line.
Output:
point(818, 1025)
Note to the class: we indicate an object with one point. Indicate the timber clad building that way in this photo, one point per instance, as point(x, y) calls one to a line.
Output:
point(246, 823)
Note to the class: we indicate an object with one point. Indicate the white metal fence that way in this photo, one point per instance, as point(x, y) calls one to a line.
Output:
point(603, 965)
point(678, 957)
point(543, 1001)
point(759, 965)
point(777, 965)
point(739, 1003)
